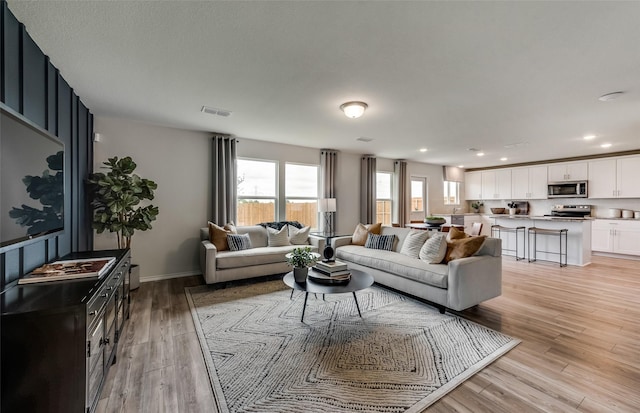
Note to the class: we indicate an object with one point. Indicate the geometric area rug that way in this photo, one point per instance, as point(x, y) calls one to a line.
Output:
point(401, 356)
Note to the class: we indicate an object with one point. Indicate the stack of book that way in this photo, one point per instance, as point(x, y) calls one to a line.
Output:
point(336, 270)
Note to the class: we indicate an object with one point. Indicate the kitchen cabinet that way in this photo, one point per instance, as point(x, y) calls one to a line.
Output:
point(614, 177)
point(616, 236)
point(529, 182)
point(473, 185)
point(60, 338)
point(496, 184)
point(568, 171)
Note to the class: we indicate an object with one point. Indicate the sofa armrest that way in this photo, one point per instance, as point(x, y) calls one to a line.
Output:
point(317, 242)
point(473, 280)
point(208, 253)
point(340, 241)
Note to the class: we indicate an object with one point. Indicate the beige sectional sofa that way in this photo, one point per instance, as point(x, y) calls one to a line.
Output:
point(457, 285)
point(259, 260)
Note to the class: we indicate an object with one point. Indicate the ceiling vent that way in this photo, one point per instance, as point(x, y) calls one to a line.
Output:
point(214, 111)
point(364, 139)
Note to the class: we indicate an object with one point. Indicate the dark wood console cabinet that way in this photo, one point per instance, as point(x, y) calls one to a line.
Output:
point(59, 339)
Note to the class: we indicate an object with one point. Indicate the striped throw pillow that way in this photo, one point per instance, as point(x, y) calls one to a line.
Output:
point(434, 249)
point(299, 236)
point(380, 242)
point(238, 242)
point(278, 238)
point(413, 242)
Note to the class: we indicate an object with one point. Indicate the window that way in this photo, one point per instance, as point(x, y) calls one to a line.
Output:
point(451, 193)
point(383, 197)
point(301, 193)
point(417, 194)
point(257, 191)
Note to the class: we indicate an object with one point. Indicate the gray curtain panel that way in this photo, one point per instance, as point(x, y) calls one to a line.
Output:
point(400, 192)
point(225, 180)
point(328, 168)
point(368, 189)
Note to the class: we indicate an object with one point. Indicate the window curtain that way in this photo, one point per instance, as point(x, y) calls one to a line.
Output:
point(328, 168)
point(368, 189)
point(400, 195)
point(225, 180)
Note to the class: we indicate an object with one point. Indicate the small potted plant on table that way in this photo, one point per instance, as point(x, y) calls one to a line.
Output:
point(301, 259)
point(512, 208)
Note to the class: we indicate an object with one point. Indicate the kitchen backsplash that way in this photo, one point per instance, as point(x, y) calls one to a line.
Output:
point(600, 207)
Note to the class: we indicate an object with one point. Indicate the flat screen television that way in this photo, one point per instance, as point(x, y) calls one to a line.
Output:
point(31, 180)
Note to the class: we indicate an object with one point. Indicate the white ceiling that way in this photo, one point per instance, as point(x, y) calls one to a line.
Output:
point(514, 79)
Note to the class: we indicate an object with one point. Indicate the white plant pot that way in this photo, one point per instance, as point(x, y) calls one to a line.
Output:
point(512, 211)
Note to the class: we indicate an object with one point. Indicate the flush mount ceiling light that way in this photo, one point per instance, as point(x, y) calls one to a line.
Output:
point(423, 149)
point(503, 159)
point(605, 145)
point(610, 96)
point(588, 137)
point(480, 154)
point(353, 109)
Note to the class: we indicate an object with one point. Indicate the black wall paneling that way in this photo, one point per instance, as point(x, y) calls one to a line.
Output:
point(32, 86)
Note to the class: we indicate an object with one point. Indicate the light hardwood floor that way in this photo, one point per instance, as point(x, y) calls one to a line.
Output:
point(580, 350)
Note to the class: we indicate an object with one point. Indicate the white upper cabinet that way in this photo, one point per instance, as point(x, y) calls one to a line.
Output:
point(614, 177)
point(496, 184)
point(568, 171)
point(473, 185)
point(529, 182)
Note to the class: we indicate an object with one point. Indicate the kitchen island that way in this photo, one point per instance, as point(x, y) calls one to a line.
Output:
point(578, 237)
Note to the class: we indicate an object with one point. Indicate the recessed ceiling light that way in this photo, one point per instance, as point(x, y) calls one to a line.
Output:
point(610, 96)
point(503, 159)
point(605, 145)
point(460, 166)
point(480, 154)
point(423, 149)
point(588, 137)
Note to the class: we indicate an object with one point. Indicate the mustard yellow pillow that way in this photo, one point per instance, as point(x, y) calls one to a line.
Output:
point(362, 231)
point(374, 228)
point(463, 247)
point(218, 235)
point(455, 233)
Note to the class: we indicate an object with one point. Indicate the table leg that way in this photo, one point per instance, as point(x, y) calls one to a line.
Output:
point(291, 296)
point(304, 307)
point(357, 306)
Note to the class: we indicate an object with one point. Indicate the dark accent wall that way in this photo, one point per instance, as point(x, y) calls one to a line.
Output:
point(32, 86)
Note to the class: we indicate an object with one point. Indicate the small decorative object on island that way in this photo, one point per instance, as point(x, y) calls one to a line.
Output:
point(433, 220)
point(115, 198)
point(512, 208)
point(476, 206)
point(301, 259)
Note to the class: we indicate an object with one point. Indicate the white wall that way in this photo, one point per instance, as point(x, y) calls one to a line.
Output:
point(179, 162)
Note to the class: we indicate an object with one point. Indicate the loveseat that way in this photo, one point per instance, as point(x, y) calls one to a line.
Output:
point(259, 260)
point(457, 285)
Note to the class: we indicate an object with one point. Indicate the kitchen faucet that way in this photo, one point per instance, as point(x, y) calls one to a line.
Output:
point(455, 209)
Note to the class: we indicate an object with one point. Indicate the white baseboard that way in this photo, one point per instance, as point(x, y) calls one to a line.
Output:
point(161, 277)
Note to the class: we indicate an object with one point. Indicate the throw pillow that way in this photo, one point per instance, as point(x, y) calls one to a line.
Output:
point(380, 242)
point(239, 242)
point(280, 224)
point(413, 243)
point(455, 233)
point(278, 238)
point(361, 232)
point(299, 236)
point(434, 249)
point(462, 248)
point(218, 235)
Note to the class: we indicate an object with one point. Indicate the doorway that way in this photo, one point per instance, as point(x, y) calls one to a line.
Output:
point(419, 199)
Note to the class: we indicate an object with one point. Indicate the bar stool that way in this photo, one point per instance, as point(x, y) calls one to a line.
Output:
point(499, 229)
point(560, 233)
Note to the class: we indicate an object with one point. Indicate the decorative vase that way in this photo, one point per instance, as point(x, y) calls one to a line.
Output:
point(512, 211)
point(300, 274)
point(476, 210)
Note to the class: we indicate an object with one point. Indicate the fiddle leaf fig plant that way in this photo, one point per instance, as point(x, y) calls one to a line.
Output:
point(116, 198)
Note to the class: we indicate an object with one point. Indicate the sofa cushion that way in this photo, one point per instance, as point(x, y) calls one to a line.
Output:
point(299, 236)
point(257, 234)
point(413, 243)
point(253, 256)
point(361, 232)
point(278, 238)
point(434, 249)
point(238, 242)
point(397, 264)
point(380, 242)
point(218, 235)
point(462, 248)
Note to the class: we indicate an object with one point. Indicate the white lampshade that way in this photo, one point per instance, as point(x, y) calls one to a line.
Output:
point(353, 109)
point(327, 205)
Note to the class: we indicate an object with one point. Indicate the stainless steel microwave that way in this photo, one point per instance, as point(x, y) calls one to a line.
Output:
point(573, 189)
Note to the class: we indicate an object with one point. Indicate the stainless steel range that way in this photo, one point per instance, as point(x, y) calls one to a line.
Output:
point(570, 211)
